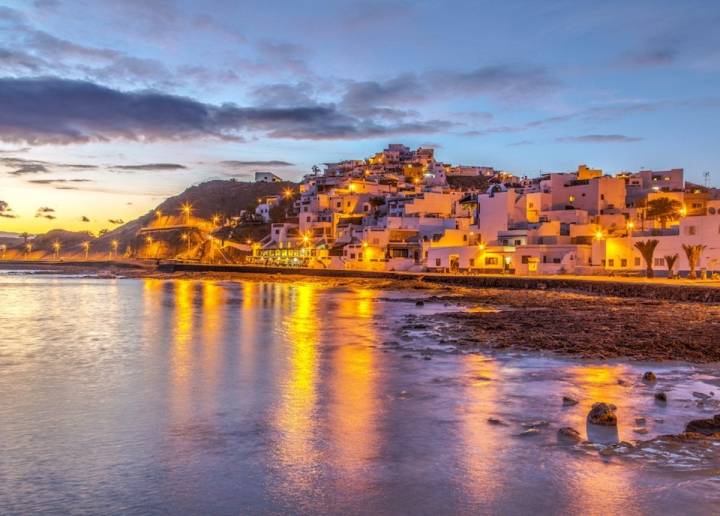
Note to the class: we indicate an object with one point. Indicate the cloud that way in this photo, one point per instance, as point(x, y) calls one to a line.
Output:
point(116, 221)
point(6, 211)
point(57, 181)
point(59, 111)
point(150, 166)
point(45, 212)
point(598, 138)
point(84, 219)
point(29, 169)
point(520, 143)
point(235, 164)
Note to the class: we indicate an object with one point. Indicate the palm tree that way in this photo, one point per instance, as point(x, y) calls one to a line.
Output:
point(647, 250)
point(25, 235)
point(670, 261)
point(693, 253)
point(664, 209)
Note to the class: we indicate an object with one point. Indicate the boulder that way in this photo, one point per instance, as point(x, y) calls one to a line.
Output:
point(568, 435)
point(529, 433)
point(661, 397)
point(568, 401)
point(603, 414)
point(496, 421)
point(419, 303)
point(649, 376)
point(704, 426)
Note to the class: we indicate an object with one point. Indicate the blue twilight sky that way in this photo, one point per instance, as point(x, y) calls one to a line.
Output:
point(108, 106)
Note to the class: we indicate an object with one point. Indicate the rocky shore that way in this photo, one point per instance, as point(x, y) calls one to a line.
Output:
point(579, 325)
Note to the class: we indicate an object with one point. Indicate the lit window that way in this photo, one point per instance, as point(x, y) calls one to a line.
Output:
point(571, 198)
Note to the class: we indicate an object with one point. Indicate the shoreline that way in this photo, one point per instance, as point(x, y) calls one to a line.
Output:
point(567, 323)
point(693, 291)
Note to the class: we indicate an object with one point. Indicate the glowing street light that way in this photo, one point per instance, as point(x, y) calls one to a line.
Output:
point(186, 238)
point(288, 193)
point(86, 248)
point(481, 246)
point(3, 249)
point(216, 219)
point(28, 250)
point(114, 247)
point(599, 234)
point(56, 249)
point(187, 210)
point(683, 211)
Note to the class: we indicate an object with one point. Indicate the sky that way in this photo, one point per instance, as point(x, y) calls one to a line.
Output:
point(108, 107)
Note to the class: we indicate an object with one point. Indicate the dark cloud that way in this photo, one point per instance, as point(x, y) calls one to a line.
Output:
point(29, 169)
point(598, 138)
point(45, 212)
point(234, 164)
point(57, 181)
point(84, 219)
point(150, 166)
point(116, 221)
point(58, 111)
point(6, 211)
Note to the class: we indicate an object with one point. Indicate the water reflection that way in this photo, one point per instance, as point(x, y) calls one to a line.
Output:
point(295, 419)
point(257, 397)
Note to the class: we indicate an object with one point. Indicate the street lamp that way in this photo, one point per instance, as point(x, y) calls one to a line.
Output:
point(216, 219)
point(28, 250)
point(56, 249)
point(3, 248)
point(86, 248)
point(186, 238)
point(149, 242)
point(288, 193)
point(187, 210)
point(114, 247)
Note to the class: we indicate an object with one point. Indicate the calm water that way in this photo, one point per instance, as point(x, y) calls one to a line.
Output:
point(150, 396)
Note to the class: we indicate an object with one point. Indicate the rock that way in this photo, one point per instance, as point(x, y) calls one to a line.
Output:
point(640, 430)
point(603, 414)
point(496, 421)
point(621, 381)
point(661, 397)
point(536, 424)
point(427, 357)
point(568, 401)
point(529, 433)
point(649, 376)
point(704, 426)
point(640, 421)
point(408, 355)
point(419, 303)
point(701, 395)
point(567, 434)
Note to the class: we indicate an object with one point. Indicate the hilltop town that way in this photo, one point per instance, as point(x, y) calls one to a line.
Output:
point(403, 210)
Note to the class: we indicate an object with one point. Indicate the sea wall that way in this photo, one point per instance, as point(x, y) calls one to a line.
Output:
point(619, 288)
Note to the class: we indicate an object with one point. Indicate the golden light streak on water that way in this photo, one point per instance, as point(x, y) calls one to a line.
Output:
point(294, 419)
point(353, 409)
point(482, 444)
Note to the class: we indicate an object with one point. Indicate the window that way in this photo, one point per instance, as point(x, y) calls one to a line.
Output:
point(339, 204)
point(437, 262)
point(525, 259)
point(352, 256)
point(307, 219)
point(556, 260)
point(531, 205)
point(464, 238)
point(623, 262)
point(696, 205)
point(571, 198)
point(602, 197)
point(472, 262)
point(305, 208)
point(491, 260)
point(365, 207)
point(637, 261)
point(659, 262)
point(690, 230)
point(518, 242)
point(611, 262)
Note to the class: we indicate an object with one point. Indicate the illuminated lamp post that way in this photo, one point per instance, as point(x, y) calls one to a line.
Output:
point(187, 210)
point(186, 238)
point(86, 248)
point(149, 241)
point(113, 248)
point(28, 250)
point(3, 248)
point(56, 250)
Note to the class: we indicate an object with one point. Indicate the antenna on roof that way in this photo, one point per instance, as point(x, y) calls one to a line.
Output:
point(706, 175)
